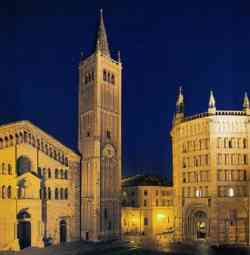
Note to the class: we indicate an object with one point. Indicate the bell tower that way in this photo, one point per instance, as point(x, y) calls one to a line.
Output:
point(99, 140)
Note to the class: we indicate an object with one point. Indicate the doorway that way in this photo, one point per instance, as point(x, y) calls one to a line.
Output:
point(63, 231)
point(196, 226)
point(24, 234)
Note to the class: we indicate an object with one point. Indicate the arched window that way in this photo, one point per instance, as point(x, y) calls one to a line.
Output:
point(33, 141)
point(66, 194)
point(56, 193)
point(1, 143)
point(66, 162)
point(66, 175)
point(42, 146)
point(49, 193)
point(61, 174)
point(245, 159)
point(49, 173)
point(23, 165)
point(244, 143)
point(38, 144)
point(230, 145)
point(104, 75)
point(9, 169)
point(11, 140)
point(61, 194)
point(29, 138)
point(56, 173)
point(112, 79)
point(46, 149)
point(44, 172)
point(108, 77)
point(50, 152)
point(3, 168)
point(3, 192)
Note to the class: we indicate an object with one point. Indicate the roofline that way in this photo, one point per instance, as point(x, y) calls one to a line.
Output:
point(28, 122)
point(217, 113)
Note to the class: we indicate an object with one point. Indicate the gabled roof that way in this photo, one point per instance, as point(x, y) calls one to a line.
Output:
point(26, 124)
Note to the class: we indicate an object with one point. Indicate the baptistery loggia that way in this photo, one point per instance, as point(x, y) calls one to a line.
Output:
point(211, 173)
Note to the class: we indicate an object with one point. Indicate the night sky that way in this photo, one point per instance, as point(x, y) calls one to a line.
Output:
point(163, 44)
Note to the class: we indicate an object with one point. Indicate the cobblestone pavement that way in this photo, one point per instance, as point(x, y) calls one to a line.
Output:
point(125, 248)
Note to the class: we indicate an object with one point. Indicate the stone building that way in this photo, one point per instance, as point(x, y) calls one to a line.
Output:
point(49, 193)
point(211, 173)
point(39, 188)
point(147, 207)
point(100, 140)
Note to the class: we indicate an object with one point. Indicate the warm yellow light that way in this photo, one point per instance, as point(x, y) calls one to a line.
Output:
point(133, 219)
point(161, 216)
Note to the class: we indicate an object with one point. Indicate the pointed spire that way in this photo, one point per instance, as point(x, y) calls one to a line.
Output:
point(246, 104)
point(212, 103)
point(101, 37)
point(119, 56)
point(179, 115)
point(180, 102)
point(180, 99)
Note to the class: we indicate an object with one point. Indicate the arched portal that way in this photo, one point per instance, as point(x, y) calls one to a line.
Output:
point(24, 229)
point(196, 225)
point(63, 231)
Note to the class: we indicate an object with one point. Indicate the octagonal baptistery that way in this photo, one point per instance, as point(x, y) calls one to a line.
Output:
point(39, 188)
point(211, 173)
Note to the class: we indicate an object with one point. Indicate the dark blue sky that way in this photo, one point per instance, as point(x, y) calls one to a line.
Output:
point(201, 45)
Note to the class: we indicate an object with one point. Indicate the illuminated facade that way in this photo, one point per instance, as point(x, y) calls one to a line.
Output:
point(211, 173)
point(39, 188)
point(147, 207)
point(100, 140)
point(48, 193)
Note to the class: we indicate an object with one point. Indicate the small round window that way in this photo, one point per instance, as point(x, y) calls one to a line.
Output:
point(23, 165)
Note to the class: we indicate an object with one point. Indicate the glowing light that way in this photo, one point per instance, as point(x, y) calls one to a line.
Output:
point(161, 216)
point(230, 192)
point(134, 220)
point(197, 193)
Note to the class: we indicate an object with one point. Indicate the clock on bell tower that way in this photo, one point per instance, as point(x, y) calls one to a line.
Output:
point(99, 140)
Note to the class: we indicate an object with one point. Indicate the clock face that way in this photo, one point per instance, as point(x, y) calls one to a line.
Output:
point(108, 151)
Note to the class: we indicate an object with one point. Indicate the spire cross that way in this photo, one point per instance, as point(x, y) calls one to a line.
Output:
point(101, 35)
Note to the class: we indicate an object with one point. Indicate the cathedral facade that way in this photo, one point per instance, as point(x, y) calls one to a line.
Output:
point(51, 194)
point(211, 173)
